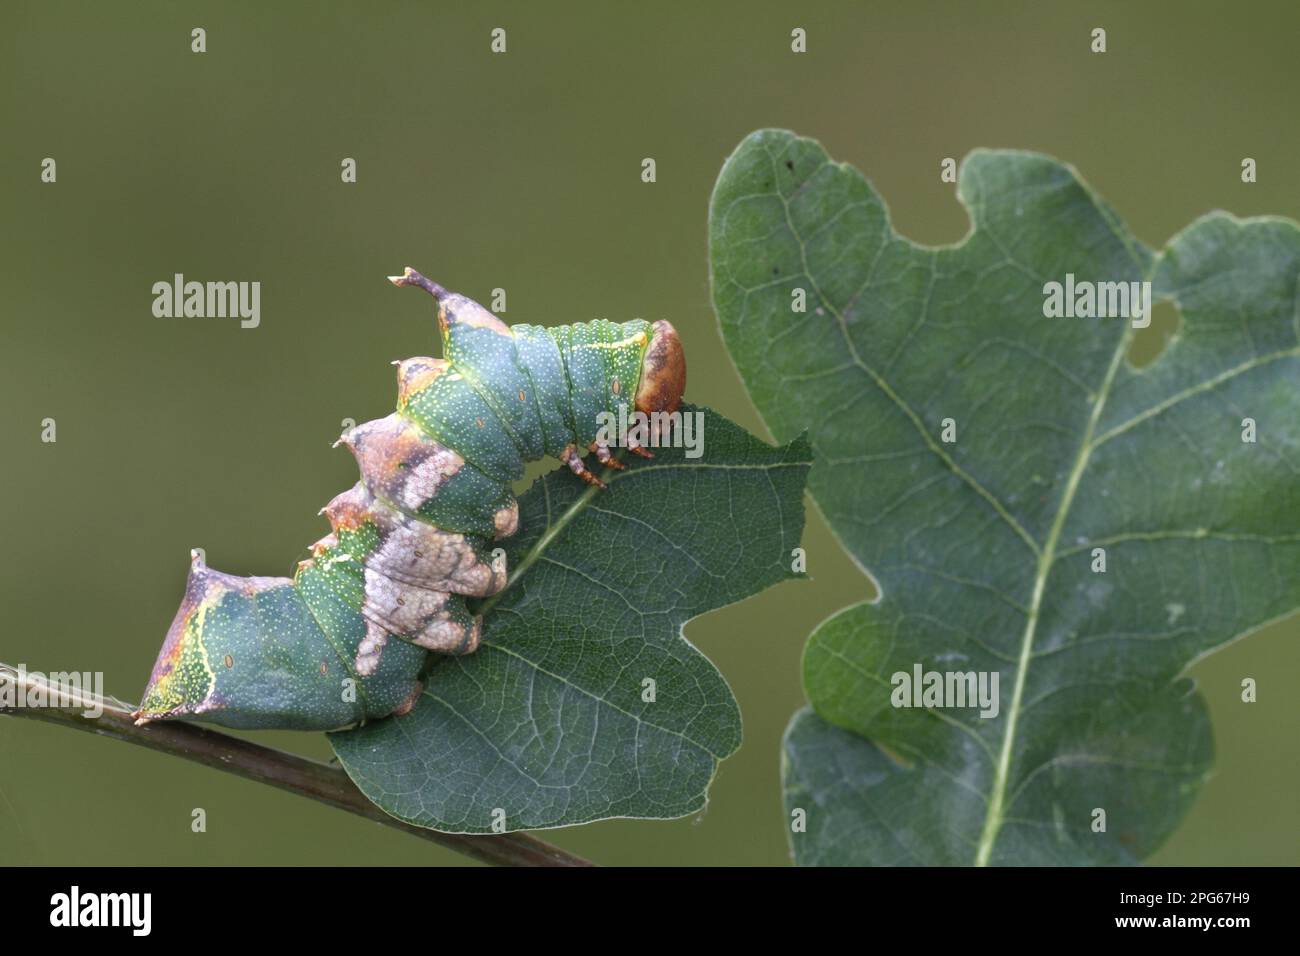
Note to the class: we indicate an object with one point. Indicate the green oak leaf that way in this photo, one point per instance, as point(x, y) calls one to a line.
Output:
point(982, 548)
point(546, 724)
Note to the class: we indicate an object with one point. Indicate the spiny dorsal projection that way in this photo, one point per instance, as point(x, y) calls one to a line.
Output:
point(411, 540)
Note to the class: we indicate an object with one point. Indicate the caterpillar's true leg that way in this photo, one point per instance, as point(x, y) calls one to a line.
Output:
point(579, 467)
point(604, 456)
point(634, 446)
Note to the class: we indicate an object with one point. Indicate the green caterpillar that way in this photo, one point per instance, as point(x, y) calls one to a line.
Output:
point(410, 541)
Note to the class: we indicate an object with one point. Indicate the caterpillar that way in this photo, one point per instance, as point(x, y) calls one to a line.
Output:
point(410, 542)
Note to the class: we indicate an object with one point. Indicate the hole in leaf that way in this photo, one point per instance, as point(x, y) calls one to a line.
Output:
point(1148, 343)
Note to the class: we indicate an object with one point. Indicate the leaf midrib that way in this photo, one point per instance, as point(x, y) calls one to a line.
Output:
point(1047, 557)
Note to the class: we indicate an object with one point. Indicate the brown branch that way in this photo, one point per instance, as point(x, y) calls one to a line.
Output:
point(308, 778)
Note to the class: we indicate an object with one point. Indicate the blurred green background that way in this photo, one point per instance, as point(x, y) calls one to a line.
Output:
point(520, 171)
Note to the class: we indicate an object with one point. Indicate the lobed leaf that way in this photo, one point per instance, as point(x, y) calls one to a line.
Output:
point(983, 548)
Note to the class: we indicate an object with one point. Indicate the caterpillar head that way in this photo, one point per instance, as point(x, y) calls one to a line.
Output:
point(663, 371)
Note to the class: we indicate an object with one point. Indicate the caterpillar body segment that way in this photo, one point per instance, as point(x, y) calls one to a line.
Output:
point(345, 639)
